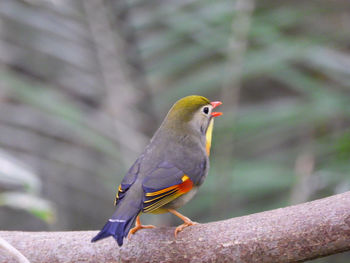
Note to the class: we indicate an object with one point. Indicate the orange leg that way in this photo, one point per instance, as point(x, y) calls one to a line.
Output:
point(187, 221)
point(138, 226)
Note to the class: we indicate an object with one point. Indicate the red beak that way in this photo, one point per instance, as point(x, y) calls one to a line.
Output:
point(215, 104)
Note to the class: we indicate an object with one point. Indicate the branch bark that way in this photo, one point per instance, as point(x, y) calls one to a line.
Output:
point(291, 234)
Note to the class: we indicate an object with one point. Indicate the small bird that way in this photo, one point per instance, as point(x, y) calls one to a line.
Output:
point(169, 171)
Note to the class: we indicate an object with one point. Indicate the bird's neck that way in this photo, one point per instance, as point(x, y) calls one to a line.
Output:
point(186, 135)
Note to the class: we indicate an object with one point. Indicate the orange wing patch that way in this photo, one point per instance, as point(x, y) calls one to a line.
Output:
point(186, 185)
point(155, 200)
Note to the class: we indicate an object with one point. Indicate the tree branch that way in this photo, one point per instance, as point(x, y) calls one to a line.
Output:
point(290, 234)
point(4, 245)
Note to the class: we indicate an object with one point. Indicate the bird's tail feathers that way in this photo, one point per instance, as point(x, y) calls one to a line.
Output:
point(118, 225)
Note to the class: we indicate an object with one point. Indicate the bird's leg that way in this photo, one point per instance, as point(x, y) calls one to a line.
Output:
point(138, 226)
point(187, 221)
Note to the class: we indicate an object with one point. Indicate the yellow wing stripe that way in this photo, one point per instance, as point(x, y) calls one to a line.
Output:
point(161, 202)
point(161, 196)
point(184, 178)
point(161, 191)
point(120, 190)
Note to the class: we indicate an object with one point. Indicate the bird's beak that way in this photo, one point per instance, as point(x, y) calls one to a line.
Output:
point(215, 104)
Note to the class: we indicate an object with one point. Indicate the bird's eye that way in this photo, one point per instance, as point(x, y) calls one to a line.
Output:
point(206, 110)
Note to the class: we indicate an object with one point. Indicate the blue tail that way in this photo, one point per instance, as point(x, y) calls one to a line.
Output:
point(116, 227)
point(123, 218)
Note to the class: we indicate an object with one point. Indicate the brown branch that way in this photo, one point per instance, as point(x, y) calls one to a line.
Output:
point(290, 234)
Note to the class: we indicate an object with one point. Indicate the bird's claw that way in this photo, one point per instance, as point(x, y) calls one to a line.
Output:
point(183, 226)
point(137, 228)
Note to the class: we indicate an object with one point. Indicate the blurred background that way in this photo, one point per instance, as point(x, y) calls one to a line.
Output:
point(85, 83)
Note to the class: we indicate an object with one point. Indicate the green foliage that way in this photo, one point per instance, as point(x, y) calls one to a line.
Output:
point(15, 176)
point(33, 204)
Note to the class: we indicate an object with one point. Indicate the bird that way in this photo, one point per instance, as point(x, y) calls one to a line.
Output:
point(168, 173)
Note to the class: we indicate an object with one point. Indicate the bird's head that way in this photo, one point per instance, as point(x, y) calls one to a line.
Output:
point(192, 113)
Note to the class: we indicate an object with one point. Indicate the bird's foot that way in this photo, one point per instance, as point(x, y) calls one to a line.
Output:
point(186, 223)
point(137, 228)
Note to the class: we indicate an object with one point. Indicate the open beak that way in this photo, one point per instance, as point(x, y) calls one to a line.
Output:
point(215, 104)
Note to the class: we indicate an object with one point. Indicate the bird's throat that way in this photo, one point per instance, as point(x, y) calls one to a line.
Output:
point(208, 135)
